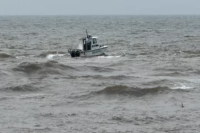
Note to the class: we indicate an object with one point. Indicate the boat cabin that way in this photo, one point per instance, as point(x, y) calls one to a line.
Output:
point(90, 43)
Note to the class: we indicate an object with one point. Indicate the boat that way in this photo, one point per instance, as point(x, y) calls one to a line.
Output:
point(89, 47)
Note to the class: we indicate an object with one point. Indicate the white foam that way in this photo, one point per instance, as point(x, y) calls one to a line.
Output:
point(33, 96)
point(52, 56)
point(182, 86)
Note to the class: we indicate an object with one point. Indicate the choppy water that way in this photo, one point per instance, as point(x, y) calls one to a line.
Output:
point(148, 82)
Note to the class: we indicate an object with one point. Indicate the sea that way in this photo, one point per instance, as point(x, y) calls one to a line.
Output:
point(147, 82)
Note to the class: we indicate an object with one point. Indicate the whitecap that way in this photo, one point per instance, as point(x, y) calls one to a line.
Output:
point(52, 56)
point(182, 86)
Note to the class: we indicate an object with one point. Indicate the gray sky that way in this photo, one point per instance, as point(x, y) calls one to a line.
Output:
point(99, 7)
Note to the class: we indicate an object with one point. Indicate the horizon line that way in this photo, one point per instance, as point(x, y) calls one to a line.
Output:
point(99, 14)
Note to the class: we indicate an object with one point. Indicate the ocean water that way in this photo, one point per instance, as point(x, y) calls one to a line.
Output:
point(148, 81)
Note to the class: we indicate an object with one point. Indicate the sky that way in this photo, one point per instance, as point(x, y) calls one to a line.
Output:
point(99, 7)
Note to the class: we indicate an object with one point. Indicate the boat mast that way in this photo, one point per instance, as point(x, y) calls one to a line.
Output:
point(87, 33)
point(86, 39)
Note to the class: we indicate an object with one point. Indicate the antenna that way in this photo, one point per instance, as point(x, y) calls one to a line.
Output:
point(86, 33)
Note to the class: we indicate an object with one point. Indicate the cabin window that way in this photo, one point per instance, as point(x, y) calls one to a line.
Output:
point(94, 40)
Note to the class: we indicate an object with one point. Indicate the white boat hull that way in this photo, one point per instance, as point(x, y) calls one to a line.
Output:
point(95, 52)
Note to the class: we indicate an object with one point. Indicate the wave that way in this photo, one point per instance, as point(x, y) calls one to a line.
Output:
point(33, 96)
point(125, 90)
point(120, 77)
point(31, 33)
point(191, 36)
point(171, 74)
point(117, 77)
point(21, 88)
point(49, 67)
point(171, 42)
point(100, 69)
point(192, 52)
point(136, 91)
point(7, 37)
point(171, 70)
point(4, 55)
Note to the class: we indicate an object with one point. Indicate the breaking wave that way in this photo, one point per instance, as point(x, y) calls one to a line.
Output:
point(52, 56)
point(124, 90)
point(136, 91)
